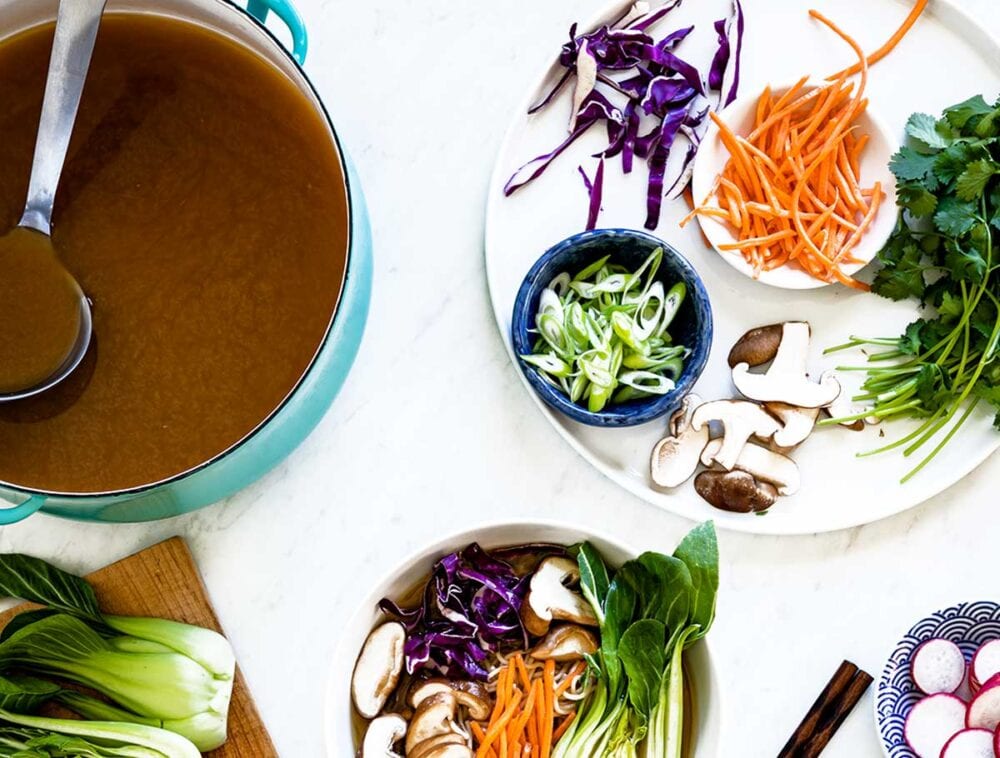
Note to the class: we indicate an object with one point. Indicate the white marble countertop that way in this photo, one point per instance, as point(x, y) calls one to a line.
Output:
point(426, 437)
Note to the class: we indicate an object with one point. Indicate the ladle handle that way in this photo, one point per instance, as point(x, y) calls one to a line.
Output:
point(76, 30)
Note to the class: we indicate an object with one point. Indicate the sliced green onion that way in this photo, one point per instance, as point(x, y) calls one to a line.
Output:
point(650, 311)
point(549, 303)
point(597, 336)
point(550, 364)
point(578, 387)
point(626, 330)
point(583, 289)
point(603, 334)
point(576, 324)
point(646, 381)
point(613, 284)
point(592, 269)
point(672, 304)
point(596, 366)
point(560, 285)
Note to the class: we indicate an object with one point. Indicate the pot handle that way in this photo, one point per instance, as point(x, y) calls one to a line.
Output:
point(20, 512)
point(284, 10)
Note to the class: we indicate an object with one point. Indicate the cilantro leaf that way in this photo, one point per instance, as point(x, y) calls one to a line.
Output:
point(972, 183)
point(909, 165)
point(926, 130)
point(951, 306)
point(987, 392)
point(959, 115)
point(994, 203)
point(987, 126)
point(916, 199)
point(964, 262)
point(955, 217)
point(983, 319)
point(903, 274)
point(911, 343)
point(952, 161)
point(931, 387)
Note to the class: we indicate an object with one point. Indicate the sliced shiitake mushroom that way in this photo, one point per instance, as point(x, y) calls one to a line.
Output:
point(433, 718)
point(796, 424)
point(568, 642)
point(757, 346)
point(740, 421)
point(470, 695)
point(439, 746)
point(377, 670)
point(786, 381)
point(842, 406)
point(762, 464)
point(675, 458)
point(382, 735)
point(735, 491)
point(449, 750)
point(550, 597)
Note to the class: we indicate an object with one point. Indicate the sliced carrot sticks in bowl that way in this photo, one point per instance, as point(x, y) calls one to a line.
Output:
point(530, 715)
point(791, 195)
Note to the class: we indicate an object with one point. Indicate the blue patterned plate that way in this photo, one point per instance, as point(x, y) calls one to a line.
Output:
point(968, 625)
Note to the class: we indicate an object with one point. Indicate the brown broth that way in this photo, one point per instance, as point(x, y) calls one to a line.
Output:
point(203, 210)
point(40, 320)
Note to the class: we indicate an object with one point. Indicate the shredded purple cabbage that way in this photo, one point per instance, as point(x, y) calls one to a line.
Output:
point(665, 100)
point(720, 63)
point(595, 191)
point(471, 607)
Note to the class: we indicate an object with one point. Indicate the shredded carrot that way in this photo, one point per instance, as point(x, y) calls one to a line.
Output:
point(522, 671)
point(561, 730)
point(791, 190)
point(548, 689)
point(523, 720)
point(911, 19)
point(498, 731)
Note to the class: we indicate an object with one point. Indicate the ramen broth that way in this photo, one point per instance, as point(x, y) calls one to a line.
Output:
point(41, 311)
point(203, 211)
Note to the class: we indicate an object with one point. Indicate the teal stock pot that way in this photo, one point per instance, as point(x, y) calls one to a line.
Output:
point(286, 426)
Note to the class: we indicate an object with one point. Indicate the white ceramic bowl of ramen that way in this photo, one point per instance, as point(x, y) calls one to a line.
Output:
point(343, 728)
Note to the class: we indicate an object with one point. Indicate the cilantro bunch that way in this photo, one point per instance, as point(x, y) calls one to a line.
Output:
point(944, 253)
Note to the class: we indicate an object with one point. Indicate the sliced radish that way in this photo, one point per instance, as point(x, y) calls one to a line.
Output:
point(937, 665)
point(996, 742)
point(984, 710)
point(970, 743)
point(932, 722)
point(993, 681)
point(985, 664)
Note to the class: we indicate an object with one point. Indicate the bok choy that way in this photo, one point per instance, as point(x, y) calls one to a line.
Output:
point(36, 737)
point(157, 673)
point(650, 611)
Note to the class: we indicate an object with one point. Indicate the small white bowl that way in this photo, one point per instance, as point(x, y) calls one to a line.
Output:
point(712, 158)
point(339, 725)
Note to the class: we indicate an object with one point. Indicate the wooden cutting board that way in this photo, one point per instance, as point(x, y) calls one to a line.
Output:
point(163, 581)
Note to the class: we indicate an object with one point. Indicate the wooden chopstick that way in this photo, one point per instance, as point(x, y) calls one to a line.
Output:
point(834, 717)
point(847, 686)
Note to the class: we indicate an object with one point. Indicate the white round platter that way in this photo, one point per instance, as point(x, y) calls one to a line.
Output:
point(945, 59)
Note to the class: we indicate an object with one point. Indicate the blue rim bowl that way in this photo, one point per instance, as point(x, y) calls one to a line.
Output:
point(692, 327)
point(969, 625)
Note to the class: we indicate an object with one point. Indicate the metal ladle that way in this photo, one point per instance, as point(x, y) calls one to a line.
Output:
point(77, 23)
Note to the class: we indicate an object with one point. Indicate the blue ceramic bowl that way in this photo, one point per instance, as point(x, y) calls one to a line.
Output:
point(301, 410)
point(968, 625)
point(692, 326)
